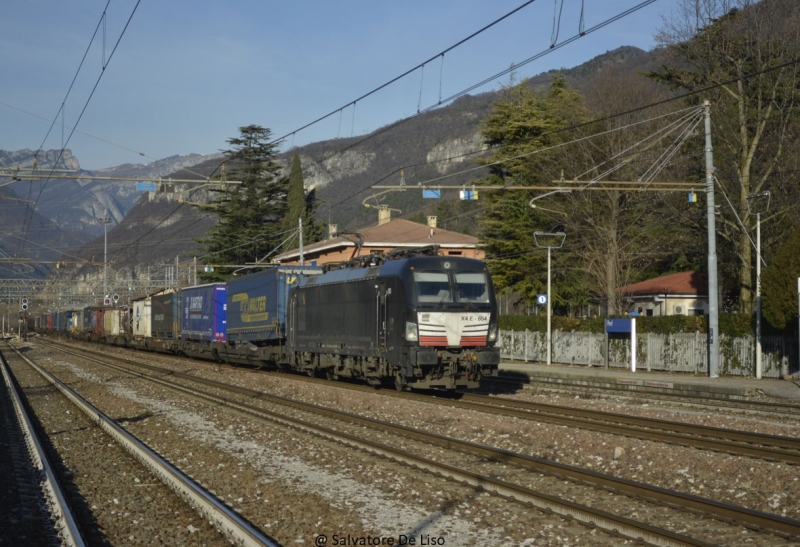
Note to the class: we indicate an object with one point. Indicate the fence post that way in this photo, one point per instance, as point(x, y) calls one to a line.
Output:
point(513, 344)
point(525, 347)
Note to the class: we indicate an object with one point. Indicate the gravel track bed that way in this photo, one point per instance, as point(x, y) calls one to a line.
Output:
point(676, 520)
point(294, 486)
point(733, 409)
point(772, 487)
point(114, 498)
point(765, 486)
point(24, 518)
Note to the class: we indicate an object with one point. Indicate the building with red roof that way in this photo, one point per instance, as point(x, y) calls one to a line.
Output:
point(682, 293)
point(389, 236)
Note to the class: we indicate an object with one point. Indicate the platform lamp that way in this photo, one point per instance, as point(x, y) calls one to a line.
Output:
point(760, 205)
point(550, 240)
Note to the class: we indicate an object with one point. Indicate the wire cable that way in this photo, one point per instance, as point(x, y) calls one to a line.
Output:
point(409, 71)
point(29, 218)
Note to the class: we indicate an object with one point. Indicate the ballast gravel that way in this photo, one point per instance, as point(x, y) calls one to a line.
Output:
point(298, 488)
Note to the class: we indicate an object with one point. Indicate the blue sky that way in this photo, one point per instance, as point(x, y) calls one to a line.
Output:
point(188, 73)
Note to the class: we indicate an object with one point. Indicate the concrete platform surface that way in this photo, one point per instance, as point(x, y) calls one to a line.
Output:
point(725, 387)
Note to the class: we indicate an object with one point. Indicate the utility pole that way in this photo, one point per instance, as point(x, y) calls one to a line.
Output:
point(302, 260)
point(106, 221)
point(759, 211)
point(713, 289)
point(560, 237)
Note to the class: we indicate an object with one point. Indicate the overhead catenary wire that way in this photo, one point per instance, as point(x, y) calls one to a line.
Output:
point(75, 78)
point(670, 152)
point(739, 220)
point(573, 127)
point(374, 134)
point(407, 72)
point(694, 115)
point(640, 108)
point(29, 217)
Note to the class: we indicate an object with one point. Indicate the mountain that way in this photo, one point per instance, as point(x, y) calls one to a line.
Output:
point(68, 211)
point(155, 229)
point(343, 170)
point(77, 204)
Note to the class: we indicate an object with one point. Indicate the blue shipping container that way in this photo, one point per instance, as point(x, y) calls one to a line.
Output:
point(204, 313)
point(257, 303)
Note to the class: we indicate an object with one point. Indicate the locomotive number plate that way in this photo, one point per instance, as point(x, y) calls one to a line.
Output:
point(469, 318)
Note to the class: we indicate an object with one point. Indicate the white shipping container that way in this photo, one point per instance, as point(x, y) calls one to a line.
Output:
point(141, 318)
point(111, 322)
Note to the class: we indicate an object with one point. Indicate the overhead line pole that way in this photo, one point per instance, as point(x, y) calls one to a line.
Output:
point(713, 288)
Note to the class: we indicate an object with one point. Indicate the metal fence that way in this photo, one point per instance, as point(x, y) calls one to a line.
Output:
point(656, 352)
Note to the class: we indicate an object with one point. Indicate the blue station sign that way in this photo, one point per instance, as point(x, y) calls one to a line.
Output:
point(622, 326)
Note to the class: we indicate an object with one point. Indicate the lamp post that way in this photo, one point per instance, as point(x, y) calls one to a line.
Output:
point(542, 240)
point(761, 205)
point(106, 220)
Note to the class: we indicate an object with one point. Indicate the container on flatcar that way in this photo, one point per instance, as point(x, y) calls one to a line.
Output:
point(88, 320)
point(204, 313)
point(75, 321)
point(111, 322)
point(165, 316)
point(257, 315)
point(49, 319)
point(61, 321)
point(126, 321)
point(140, 318)
point(258, 303)
point(98, 322)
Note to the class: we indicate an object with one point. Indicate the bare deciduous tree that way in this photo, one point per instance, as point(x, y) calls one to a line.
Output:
point(742, 56)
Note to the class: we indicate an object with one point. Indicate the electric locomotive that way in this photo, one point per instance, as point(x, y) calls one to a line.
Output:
point(424, 322)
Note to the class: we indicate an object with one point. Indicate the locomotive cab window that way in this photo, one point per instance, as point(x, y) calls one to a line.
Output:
point(432, 287)
point(472, 287)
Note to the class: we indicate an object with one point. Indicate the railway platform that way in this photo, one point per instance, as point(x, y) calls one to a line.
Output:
point(724, 387)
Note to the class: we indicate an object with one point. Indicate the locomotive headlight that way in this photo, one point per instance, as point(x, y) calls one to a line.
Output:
point(492, 333)
point(412, 335)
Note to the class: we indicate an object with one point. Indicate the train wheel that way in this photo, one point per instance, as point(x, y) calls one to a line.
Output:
point(400, 382)
point(328, 374)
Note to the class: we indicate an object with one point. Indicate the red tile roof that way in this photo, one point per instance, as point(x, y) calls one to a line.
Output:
point(688, 283)
point(395, 233)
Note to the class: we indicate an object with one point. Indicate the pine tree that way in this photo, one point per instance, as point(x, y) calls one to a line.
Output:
point(249, 216)
point(521, 127)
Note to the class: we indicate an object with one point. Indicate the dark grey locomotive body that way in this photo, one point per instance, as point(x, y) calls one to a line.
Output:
point(422, 322)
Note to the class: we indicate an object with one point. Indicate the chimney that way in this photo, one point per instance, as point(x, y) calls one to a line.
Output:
point(432, 222)
point(333, 230)
point(384, 215)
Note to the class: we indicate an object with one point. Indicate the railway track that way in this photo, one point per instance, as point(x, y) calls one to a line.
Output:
point(692, 508)
point(33, 486)
point(745, 443)
point(704, 400)
point(229, 524)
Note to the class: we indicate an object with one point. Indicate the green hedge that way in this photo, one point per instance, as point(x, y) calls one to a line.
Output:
point(730, 324)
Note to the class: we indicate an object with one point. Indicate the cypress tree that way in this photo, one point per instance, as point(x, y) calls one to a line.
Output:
point(300, 206)
point(779, 283)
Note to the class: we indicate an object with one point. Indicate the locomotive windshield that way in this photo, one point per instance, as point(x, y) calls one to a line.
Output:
point(472, 287)
point(443, 288)
point(432, 287)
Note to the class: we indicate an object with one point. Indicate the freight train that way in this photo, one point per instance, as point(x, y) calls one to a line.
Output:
point(415, 322)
